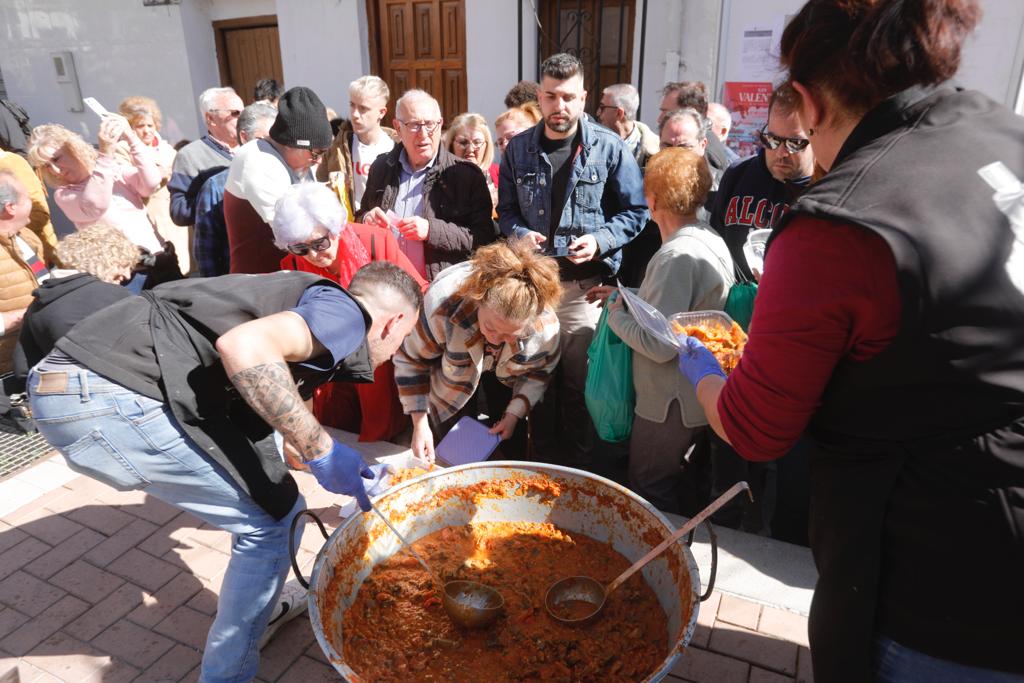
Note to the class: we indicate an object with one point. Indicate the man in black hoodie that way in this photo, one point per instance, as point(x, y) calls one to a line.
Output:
point(756, 192)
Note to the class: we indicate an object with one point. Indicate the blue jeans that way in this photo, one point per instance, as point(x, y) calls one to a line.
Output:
point(130, 441)
point(894, 663)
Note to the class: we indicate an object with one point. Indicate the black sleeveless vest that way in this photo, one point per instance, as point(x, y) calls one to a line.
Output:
point(917, 511)
point(163, 345)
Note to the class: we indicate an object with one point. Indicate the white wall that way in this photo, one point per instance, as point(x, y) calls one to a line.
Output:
point(492, 65)
point(219, 10)
point(120, 48)
point(323, 47)
point(992, 58)
point(201, 57)
point(681, 45)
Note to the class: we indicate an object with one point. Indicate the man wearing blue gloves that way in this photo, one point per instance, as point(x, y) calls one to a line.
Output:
point(180, 392)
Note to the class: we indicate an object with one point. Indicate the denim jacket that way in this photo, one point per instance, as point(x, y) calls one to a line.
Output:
point(604, 197)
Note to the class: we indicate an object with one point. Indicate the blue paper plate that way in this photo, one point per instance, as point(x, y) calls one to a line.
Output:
point(468, 441)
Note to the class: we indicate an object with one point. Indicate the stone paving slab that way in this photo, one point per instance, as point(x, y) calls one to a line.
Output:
point(102, 586)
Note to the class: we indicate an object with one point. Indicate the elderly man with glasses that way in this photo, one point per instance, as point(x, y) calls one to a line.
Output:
point(617, 111)
point(263, 170)
point(436, 204)
point(197, 161)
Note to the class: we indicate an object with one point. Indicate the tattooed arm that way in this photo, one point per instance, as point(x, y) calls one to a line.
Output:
point(255, 356)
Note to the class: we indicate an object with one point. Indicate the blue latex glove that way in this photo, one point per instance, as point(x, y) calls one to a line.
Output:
point(377, 474)
point(696, 362)
point(343, 471)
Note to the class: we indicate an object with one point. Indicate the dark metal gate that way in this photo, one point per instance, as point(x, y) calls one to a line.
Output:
point(598, 32)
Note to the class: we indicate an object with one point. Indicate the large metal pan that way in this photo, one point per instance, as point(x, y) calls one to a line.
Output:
point(504, 491)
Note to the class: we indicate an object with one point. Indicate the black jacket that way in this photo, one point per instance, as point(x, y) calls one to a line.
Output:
point(457, 205)
point(162, 345)
point(917, 500)
point(57, 305)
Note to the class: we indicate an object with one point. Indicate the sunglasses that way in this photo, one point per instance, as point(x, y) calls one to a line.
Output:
point(793, 145)
point(234, 113)
point(303, 248)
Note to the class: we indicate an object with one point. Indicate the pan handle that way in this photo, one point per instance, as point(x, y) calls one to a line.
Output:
point(291, 543)
point(714, 558)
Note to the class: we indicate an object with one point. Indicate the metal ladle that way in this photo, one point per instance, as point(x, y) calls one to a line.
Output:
point(467, 603)
point(578, 599)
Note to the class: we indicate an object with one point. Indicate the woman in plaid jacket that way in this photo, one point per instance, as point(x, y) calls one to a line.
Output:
point(493, 315)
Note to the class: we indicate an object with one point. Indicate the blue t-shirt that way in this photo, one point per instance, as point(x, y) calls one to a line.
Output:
point(335, 320)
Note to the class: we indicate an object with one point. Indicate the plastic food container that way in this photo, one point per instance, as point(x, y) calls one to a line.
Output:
point(392, 464)
point(753, 249)
point(706, 318)
point(709, 319)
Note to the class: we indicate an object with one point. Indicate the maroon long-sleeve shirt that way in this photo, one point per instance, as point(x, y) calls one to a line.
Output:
point(829, 293)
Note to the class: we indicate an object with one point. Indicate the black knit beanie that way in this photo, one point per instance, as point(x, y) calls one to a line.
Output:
point(301, 120)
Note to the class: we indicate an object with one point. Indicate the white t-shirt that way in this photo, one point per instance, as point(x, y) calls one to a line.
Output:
point(259, 175)
point(363, 157)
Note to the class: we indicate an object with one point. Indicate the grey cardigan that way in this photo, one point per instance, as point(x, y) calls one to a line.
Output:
point(692, 271)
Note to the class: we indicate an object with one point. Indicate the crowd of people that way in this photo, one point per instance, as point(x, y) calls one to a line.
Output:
point(414, 274)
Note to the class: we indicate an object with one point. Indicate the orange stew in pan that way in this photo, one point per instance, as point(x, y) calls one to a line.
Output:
point(397, 629)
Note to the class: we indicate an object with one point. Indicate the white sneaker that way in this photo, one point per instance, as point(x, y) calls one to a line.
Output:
point(291, 604)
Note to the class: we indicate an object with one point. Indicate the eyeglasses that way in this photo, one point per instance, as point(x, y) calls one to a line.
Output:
point(470, 144)
point(303, 248)
point(685, 144)
point(317, 154)
point(793, 145)
point(601, 107)
point(417, 126)
point(507, 137)
point(233, 113)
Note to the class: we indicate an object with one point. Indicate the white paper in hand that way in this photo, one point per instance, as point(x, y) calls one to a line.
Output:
point(754, 248)
point(95, 106)
point(393, 219)
point(649, 318)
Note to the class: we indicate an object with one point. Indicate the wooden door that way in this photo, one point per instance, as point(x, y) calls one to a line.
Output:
point(248, 49)
point(421, 44)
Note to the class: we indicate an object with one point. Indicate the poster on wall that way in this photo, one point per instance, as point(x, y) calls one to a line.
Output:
point(758, 54)
point(748, 103)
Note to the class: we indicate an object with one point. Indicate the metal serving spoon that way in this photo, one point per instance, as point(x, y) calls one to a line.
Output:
point(577, 599)
point(467, 603)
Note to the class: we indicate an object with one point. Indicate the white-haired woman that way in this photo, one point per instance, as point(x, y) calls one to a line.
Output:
point(469, 138)
point(309, 223)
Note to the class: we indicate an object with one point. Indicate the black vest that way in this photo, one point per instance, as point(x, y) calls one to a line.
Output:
point(163, 345)
point(917, 510)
